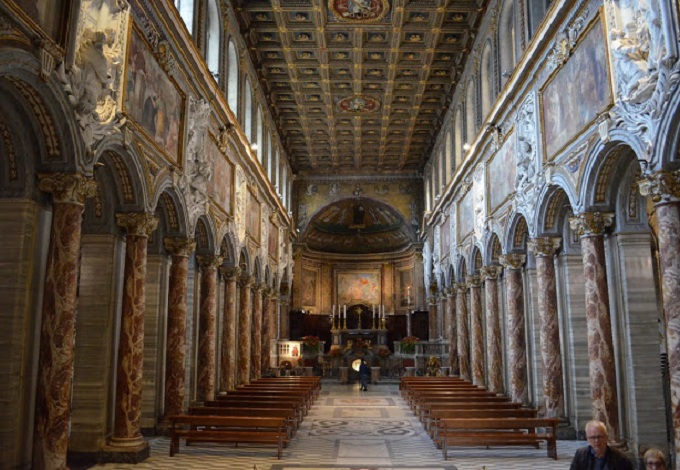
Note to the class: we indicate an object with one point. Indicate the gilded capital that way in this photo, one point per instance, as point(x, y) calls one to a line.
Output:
point(179, 246)
point(473, 280)
point(591, 223)
point(544, 246)
point(231, 273)
point(140, 224)
point(71, 188)
point(209, 261)
point(259, 288)
point(247, 282)
point(513, 260)
point(490, 272)
point(662, 186)
point(461, 288)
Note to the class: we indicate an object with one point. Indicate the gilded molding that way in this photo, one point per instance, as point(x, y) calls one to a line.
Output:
point(140, 224)
point(544, 246)
point(67, 188)
point(179, 246)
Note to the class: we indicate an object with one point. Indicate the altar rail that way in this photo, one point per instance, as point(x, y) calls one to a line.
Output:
point(424, 350)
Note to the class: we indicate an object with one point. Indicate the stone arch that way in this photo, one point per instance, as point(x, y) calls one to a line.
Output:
point(451, 275)
point(461, 270)
point(517, 234)
point(204, 233)
point(486, 80)
point(228, 249)
point(666, 144)
point(552, 200)
point(244, 262)
point(476, 259)
point(470, 111)
point(493, 249)
point(258, 271)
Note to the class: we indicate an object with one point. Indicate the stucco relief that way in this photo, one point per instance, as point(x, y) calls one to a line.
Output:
point(93, 83)
point(427, 262)
point(240, 199)
point(479, 200)
point(436, 253)
point(529, 177)
point(453, 237)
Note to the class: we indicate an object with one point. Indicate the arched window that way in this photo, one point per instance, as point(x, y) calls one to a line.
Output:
point(232, 78)
point(212, 39)
point(448, 149)
point(486, 81)
point(506, 40)
point(247, 121)
point(428, 189)
point(458, 144)
point(260, 135)
point(275, 172)
point(470, 121)
point(435, 173)
point(186, 12)
point(268, 160)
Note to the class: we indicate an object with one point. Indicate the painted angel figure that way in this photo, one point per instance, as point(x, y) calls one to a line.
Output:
point(358, 6)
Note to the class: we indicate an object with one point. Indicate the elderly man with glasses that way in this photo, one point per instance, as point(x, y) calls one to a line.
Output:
point(597, 455)
point(654, 460)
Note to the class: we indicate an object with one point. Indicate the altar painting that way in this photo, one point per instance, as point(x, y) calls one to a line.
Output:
point(501, 174)
point(405, 289)
point(577, 93)
point(358, 287)
point(151, 98)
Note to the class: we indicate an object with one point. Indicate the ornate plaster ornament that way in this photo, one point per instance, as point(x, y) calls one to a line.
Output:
point(436, 252)
point(358, 104)
point(453, 231)
point(240, 200)
point(427, 262)
point(358, 11)
point(529, 179)
point(479, 200)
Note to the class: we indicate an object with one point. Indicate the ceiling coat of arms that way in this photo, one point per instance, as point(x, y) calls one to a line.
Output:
point(359, 11)
point(358, 104)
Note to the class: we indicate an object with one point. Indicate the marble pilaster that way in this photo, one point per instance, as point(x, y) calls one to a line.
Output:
point(268, 326)
point(517, 348)
point(244, 330)
point(256, 344)
point(432, 305)
point(228, 352)
point(602, 367)
point(463, 342)
point(450, 335)
point(494, 353)
point(477, 334)
point(207, 327)
point(553, 393)
point(57, 331)
point(128, 404)
point(180, 250)
point(664, 189)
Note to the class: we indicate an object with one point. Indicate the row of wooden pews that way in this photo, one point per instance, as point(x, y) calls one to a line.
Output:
point(265, 411)
point(455, 412)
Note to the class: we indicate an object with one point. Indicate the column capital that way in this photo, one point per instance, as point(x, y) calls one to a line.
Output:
point(179, 246)
point(141, 224)
point(491, 272)
point(71, 188)
point(259, 288)
point(662, 186)
point(544, 246)
point(209, 261)
point(513, 260)
point(473, 280)
point(588, 224)
point(247, 281)
point(231, 273)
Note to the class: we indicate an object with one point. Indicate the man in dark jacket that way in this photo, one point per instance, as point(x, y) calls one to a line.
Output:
point(364, 375)
point(598, 455)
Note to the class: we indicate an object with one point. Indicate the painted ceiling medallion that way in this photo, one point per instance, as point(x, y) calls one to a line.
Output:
point(358, 104)
point(359, 11)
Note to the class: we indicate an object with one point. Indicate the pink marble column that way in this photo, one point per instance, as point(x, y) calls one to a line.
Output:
point(494, 354)
point(207, 327)
point(433, 302)
point(176, 337)
point(477, 333)
point(462, 331)
point(267, 327)
point(452, 336)
point(245, 330)
point(284, 331)
point(664, 189)
point(127, 436)
point(57, 330)
point(517, 347)
point(228, 351)
point(553, 391)
point(256, 344)
point(591, 227)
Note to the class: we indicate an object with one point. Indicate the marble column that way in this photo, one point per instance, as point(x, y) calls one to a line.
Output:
point(432, 305)
point(228, 352)
point(207, 325)
point(176, 337)
point(477, 333)
point(590, 227)
point(267, 327)
point(664, 189)
point(284, 328)
point(245, 330)
point(494, 354)
point(256, 343)
point(57, 330)
point(462, 331)
point(517, 346)
point(553, 391)
point(453, 332)
point(127, 436)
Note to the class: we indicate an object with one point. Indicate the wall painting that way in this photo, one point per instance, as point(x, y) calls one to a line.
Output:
point(253, 218)
point(152, 100)
point(50, 15)
point(405, 288)
point(222, 182)
point(358, 287)
point(502, 173)
point(309, 286)
point(466, 215)
point(577, 93)
point(273, 242)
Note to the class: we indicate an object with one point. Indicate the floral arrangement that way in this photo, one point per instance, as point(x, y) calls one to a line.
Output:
point(408, 344)
point(384, 353)
point(310, 343)
point(358, 343)
point(336, 352)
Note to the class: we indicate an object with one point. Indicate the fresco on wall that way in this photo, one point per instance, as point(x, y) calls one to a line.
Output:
point(223, 177)
point(358, 287)
point(406, 292)
point(309, 284)
point(445, 237)
point(466, 215)
point(253, 217)
point(501, 173)
point(151, 98)
point(577, 93)
point(273, 242)
point(49, 14)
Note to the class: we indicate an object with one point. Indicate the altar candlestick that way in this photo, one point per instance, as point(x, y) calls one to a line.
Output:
point(408, 295)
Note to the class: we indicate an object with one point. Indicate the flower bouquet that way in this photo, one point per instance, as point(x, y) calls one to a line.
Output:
point(408, 344)
point(310, 344)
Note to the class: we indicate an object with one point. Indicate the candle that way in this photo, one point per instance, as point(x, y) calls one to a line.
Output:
point(333, 312)
point(374, 311)
point(408, 295)
point(345, 308)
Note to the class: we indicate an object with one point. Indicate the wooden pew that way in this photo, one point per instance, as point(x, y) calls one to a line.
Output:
point(422, 404)
point(428, 408)
point(228, 429)
point(302, 396)
point(433, 423)
point(288, 413)
point(498, 432)
point(236, 402)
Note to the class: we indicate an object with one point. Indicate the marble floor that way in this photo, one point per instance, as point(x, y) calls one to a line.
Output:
point(351, 430)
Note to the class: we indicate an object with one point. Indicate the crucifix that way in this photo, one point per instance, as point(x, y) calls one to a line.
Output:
point(357, 311)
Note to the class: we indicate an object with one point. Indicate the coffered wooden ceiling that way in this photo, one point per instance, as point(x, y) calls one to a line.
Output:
point(359, 87)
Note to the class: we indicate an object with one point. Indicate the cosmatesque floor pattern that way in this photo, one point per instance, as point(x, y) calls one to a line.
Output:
point(348, 429)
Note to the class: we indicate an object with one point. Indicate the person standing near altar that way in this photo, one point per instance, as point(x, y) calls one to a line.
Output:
point(364, 375)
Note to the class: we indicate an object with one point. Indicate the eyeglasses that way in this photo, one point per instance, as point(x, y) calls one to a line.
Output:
point(598, 437)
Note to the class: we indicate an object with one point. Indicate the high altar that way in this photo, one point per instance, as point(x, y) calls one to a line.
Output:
point(361, 326)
